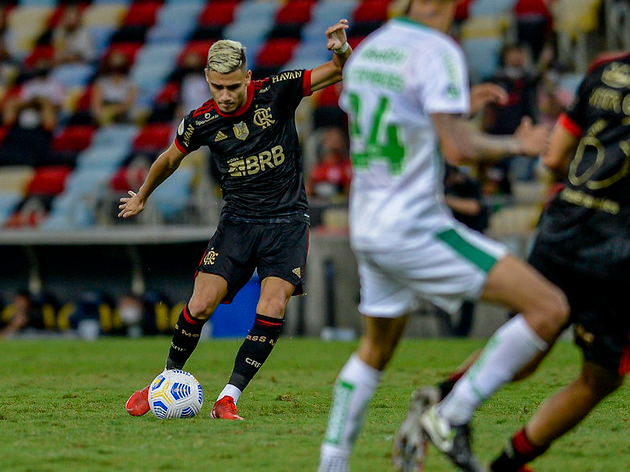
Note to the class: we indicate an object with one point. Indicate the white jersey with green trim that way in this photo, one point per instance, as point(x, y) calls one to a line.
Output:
point(396, 78)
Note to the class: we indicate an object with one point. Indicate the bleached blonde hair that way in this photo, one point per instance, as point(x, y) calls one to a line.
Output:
point(226, 56)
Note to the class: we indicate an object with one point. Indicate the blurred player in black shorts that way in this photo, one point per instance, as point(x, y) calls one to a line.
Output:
point(583, 246)
point(249, 127)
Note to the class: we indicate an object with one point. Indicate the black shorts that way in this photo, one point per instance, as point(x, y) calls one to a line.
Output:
point(274, 249)
point(599, 313)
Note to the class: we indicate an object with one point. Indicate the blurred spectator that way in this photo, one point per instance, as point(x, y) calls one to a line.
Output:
point(40, 84)
point(22, 314)
point(114, 93)
point(193, 91)
point(515, 75)
point(462, 194)
point(329, 179)
point(534, 23)
point(31, 116)
point(131, 312)
point(72, 40)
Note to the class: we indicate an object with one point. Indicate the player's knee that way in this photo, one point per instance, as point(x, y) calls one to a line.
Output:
point(202, 307)
point(271, 306)
point(557, 308)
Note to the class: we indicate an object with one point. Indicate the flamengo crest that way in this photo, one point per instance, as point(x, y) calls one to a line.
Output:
point(263, 118)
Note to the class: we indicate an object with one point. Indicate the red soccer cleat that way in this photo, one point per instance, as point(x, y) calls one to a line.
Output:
point(138, 403)
point(225, 409)
point(526, 468)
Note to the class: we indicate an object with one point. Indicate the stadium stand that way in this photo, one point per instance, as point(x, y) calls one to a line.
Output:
point(81, 183)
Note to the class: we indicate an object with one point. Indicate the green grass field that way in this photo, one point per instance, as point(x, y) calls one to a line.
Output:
point(62, 409)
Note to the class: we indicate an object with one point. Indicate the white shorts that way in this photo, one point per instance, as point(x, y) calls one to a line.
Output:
point(445, 268)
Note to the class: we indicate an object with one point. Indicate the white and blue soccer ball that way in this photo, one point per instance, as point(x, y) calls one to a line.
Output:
point(175, 394)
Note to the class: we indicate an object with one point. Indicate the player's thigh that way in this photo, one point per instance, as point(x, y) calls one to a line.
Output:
point(231, 254)
point(382, 293)
point(282, 253)
point(209, 290)
point(274, 296)
point(518, 285)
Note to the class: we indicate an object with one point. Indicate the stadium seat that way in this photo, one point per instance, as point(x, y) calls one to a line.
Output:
point(295, 12)
point(173, 195)
point(142, 13)
point(129, 34)
point(490, 7)
point(276, 52)
point(175, 23)
point(26, 24)
point(130, 50)
point(73, 138)
point(153, 138)
point(8, 203)
point(483, 56)
point(219, 12)
point(15, 179)
point(104, 14)
point(43, 51)
point(371, 10)
point(49, 180)
point(73, 75)
point(168, 94)
point(198, 47)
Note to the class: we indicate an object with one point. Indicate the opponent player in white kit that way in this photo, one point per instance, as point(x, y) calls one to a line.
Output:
point(406, 93)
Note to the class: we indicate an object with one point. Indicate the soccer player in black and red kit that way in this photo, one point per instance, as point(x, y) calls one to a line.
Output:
point(249, 127)
point(583, 246)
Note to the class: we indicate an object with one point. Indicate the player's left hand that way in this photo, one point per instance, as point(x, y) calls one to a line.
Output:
point(336, 35)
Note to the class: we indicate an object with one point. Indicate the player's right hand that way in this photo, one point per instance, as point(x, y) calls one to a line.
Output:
point(533, 139)
point(131, 205)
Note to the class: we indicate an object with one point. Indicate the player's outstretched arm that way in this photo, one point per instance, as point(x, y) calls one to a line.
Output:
point(160, 170)
point(460, 143)
point(331, 72)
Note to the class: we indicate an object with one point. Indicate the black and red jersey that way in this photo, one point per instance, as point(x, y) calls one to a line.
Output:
point(587, 225)
point(256, 148)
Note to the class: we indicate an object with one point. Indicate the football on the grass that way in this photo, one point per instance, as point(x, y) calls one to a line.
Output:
point(175, 394)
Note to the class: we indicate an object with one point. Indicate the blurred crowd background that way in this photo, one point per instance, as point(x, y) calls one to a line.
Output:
point(92, 91)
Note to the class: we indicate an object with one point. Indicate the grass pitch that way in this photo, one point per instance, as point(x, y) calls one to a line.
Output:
point(62, 409)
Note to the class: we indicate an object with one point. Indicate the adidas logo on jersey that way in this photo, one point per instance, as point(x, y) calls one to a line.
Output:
point(297, 271)
point(220, 136)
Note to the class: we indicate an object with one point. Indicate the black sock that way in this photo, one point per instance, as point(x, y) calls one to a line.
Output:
point(185, 339)
point(255, 349)
point(518, 452)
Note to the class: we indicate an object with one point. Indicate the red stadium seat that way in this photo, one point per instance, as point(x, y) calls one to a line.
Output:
point(73, 138)
point(43, 51)
point(296, 12)
point(276, 52)
point(168, 94)
point(83, 103)
point(371, 10)
point(49, 180)
point(153, 138)
point(218, 12)
point(128, 49)
point(354, 41)
point(142, 13)
point(461, 12)
point(200, 47)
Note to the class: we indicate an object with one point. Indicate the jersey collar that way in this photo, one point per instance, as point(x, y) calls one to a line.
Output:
point(245, 106)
